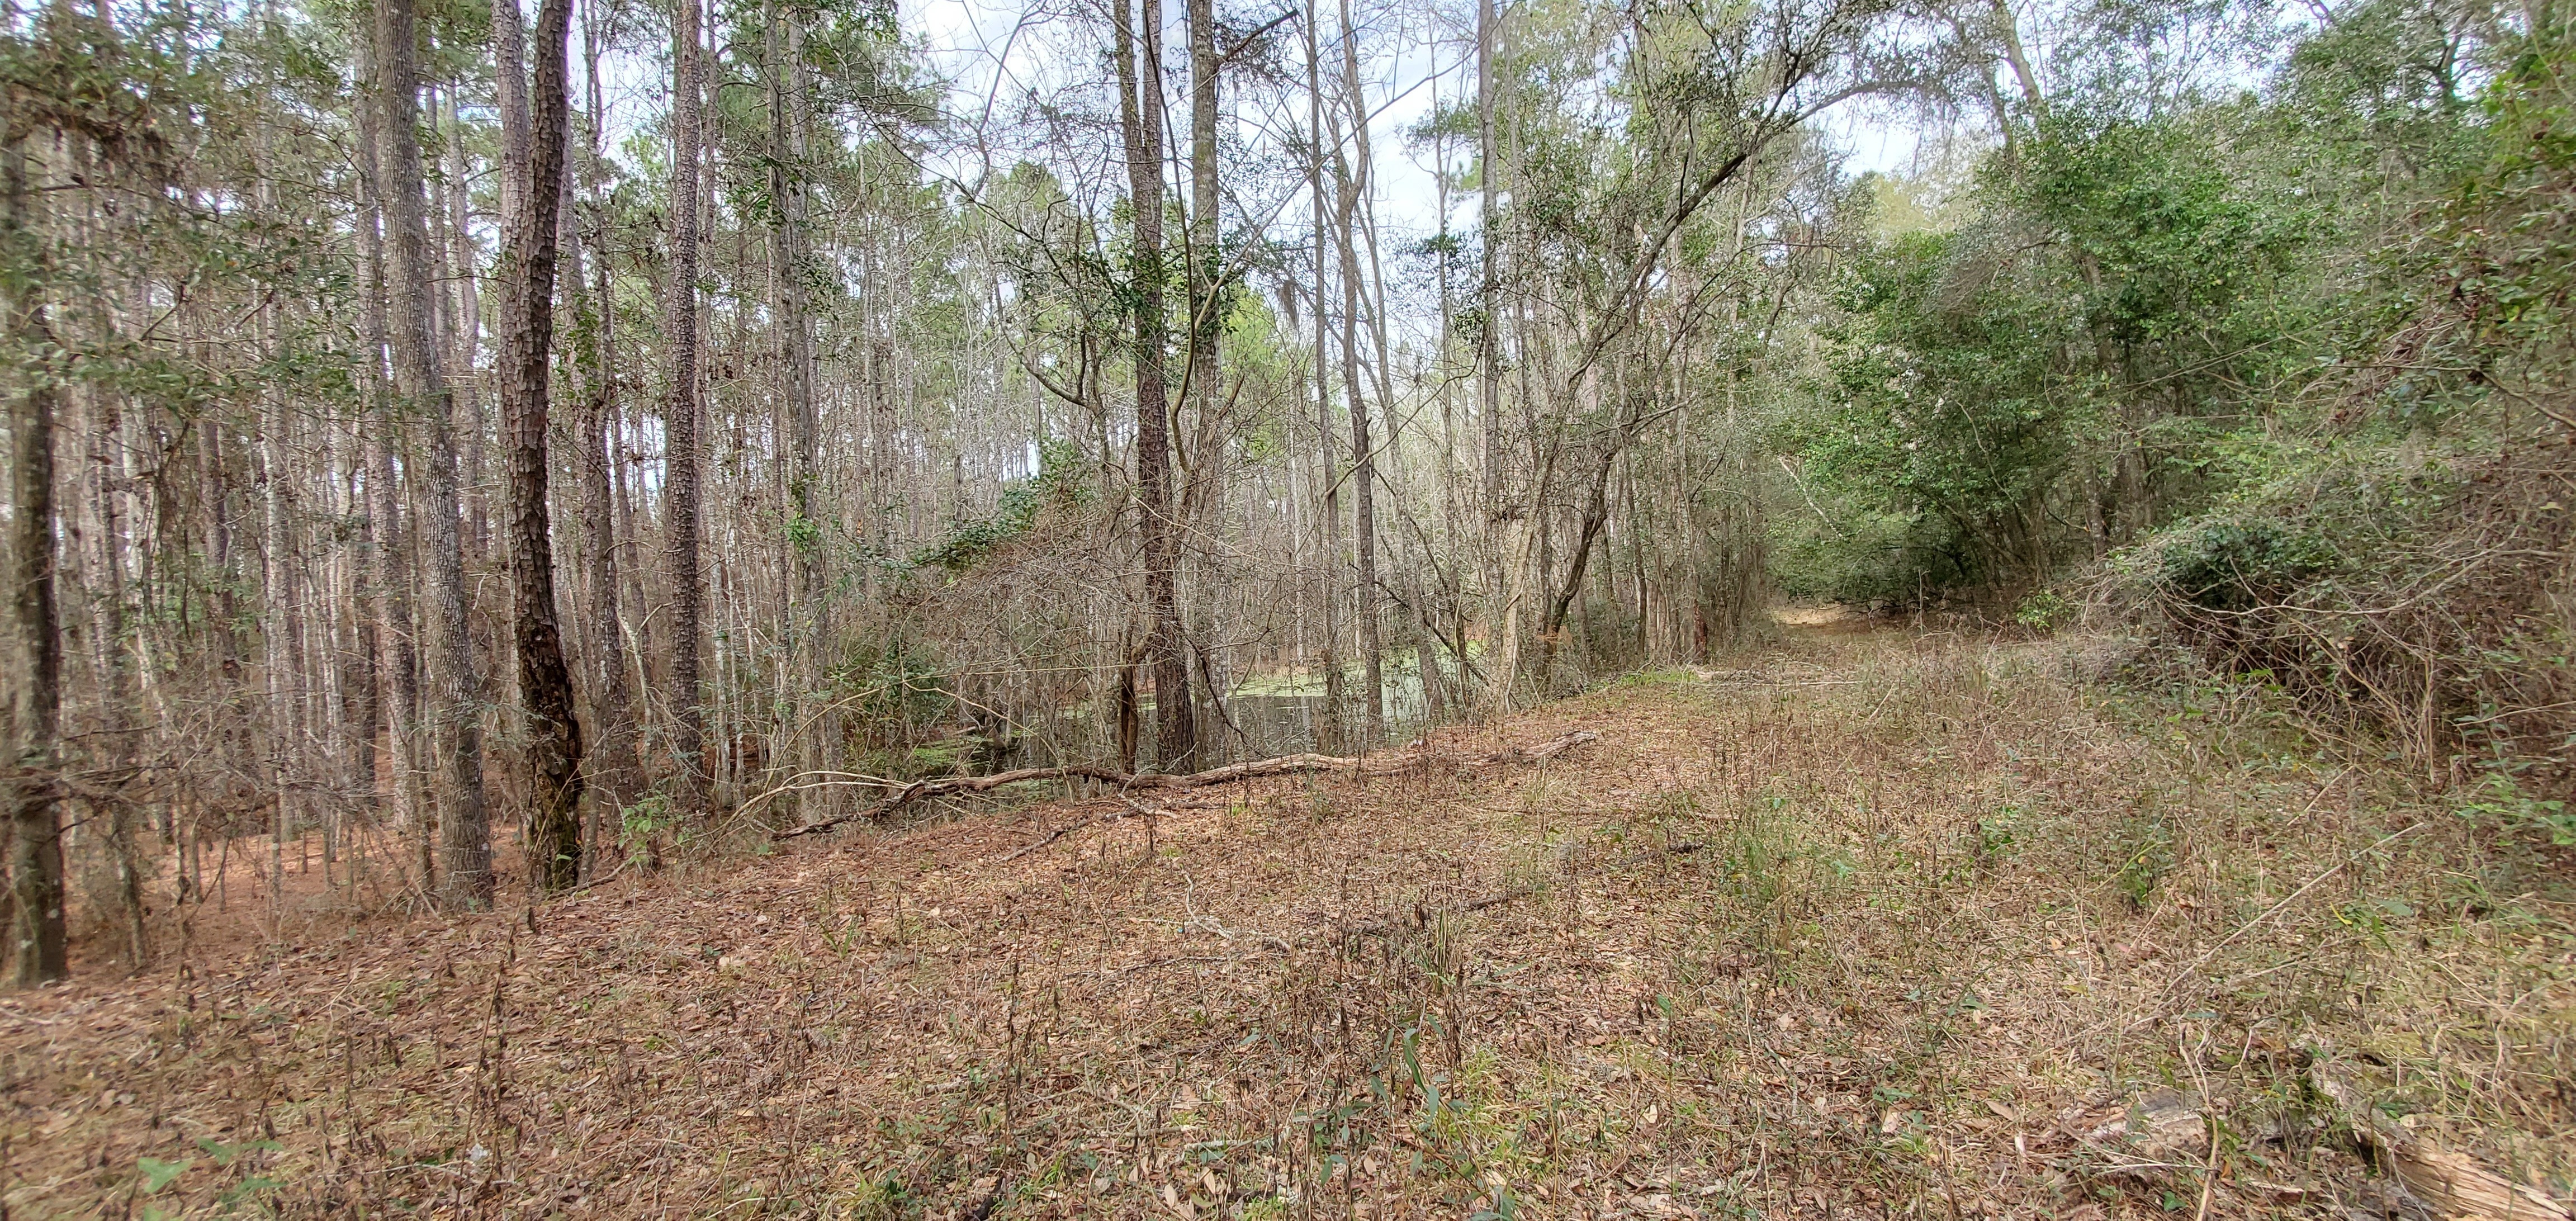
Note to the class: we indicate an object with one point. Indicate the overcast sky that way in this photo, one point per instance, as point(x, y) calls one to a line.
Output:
point(971, 41)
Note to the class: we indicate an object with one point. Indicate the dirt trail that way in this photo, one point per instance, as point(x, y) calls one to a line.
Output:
point(1867, 921)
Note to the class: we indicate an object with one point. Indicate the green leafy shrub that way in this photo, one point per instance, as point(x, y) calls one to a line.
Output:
point(2045, 610)
point(1057, 483)
point(2236, 565)
point(2147, 856)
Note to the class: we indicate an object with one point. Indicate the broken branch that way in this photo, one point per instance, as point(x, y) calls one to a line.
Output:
point(943, 786)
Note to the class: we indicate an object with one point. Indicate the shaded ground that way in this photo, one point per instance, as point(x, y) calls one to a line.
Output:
point(1905, 924)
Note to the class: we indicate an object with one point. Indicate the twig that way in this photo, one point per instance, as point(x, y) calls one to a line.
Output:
point(2268, 913)
point(1424, 916)
point(1133, 808)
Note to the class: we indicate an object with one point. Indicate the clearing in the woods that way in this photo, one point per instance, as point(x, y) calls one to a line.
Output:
point(1890, 921)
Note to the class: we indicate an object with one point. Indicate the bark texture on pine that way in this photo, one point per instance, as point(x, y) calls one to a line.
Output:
point(680, 425)
point(554, 739)
point(397, 662)
point(455, 725)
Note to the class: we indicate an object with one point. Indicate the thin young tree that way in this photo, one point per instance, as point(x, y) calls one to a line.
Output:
point(1489, 360)
point(1348, 186)
point(794, 353)
point(611, 737)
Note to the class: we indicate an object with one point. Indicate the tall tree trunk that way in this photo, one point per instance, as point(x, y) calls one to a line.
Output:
point(531, 216)
point(1140, 85)
point(1507, 528)
point(1348, 186)
point(680, 427)
point(31, 667)
point(612, 758)
point(281, 623)
point(456, 740)
point(806, 660)
point(397, 663)
point(1207, 323)
point(1328, 522)
point(473, 503)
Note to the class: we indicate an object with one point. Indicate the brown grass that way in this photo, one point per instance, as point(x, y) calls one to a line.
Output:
point(1907, 925)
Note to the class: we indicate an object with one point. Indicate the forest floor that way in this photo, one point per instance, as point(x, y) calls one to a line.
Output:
point(1895, 922)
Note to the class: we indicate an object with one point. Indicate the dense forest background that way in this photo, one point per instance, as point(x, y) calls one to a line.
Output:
point(649, 427)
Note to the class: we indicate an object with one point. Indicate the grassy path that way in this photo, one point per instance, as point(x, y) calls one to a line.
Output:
point(1908, 925)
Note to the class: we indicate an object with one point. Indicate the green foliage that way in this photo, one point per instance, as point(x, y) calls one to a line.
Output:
point(2235, 565)
point(642, 825)
point(2068, 364)
point(2045, 610)
point(1948, 410)
point(1998, 835)
point(158, 1174)
point(891, 684)
point(1058, 484)
point(2502, 800)
point(2147, 856)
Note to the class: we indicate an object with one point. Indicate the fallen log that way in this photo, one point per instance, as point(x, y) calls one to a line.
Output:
point(2452, 1184)
point(1286, 765)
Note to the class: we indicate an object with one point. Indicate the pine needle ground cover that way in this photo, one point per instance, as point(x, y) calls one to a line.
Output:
point(1878, 922)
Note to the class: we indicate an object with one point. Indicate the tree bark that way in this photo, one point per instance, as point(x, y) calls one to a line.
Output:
point(680, 428)
point(1140, 85)
point(611, 759)
point(1207, 323)
point(1348, 186)
point(532, 208)
point(31, 667)
point(815, 731)
point(465, 844)
point(397, 663)
point(1329, 522)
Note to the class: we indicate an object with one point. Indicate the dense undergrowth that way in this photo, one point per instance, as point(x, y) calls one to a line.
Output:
point(1928, 924)
point(2277, 372)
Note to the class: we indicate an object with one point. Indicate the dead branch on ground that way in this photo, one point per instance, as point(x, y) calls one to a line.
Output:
point(1287, 765)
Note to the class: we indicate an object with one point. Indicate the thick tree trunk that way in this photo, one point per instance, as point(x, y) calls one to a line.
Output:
point(465, 844)
point(680, 427)
point(1140, 84)
point(31, 665)
point(1207, 323)
point(397, 664)
point(532, 211)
